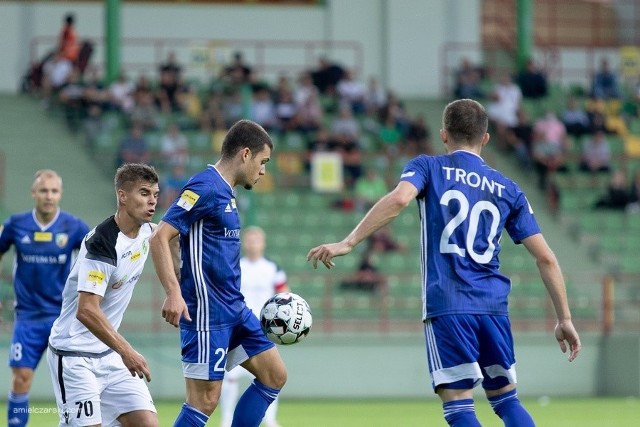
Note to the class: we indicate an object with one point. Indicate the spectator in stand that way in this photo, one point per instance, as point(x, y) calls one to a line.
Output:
point(390, 137)
point(367, 277)
point(617, 196)
point(351, 154)
point(322, 143)
point(144, 112)
point(263, 110)
point(133, 148)
point(575, 119)
point(375, 97)
point(520, 138)
point(368, 189)
point(596, 153)
point(121, 92)
point(345, 126)
point(352, 92)
point(419, 137)
point(550, 145)
point(605, 82)
point(169, 86)
point(467, 81)
point(56, 73)
point(232, 108)
point(396, 108)
point(506, 100)
point(238, 71)
point(309, 111)
point(327, 75)
point(71, 97)
point(286, 110)
point(174, 148)
point(94, 90)
point(68, 44)
point(532, 81)
point(172, 186)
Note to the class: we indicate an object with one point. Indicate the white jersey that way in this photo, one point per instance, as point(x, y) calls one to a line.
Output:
point(259, 281)
point(109, 264)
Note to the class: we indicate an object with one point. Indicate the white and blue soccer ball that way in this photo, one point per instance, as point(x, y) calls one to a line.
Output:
point(286, 318)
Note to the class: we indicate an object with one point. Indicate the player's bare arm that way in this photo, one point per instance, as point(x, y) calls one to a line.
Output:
point(91, 315)
point(554, 282)
point(161, 243)
point(382, 213)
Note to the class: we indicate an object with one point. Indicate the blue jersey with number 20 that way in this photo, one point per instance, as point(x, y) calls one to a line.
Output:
point(464, 205)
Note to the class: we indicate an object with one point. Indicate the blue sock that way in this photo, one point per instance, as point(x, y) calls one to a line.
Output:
point(190, 417)
point(252, 405)
point(508, 407)
point(460, 413)
point(18, 409)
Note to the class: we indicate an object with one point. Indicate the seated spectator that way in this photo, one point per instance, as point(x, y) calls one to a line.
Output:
point(345, 125)
point(396, 108)
point(238, 72)
point(576, 119)
point(71, 98)
point(263, 110)
point(617, 196)
point(596, 154)
point(467, 81)
point(169, 85)
point(309, 111)
point(532, 81)
point(605, 82)
point(172, 186)
point(520, 138)
point(503, 107)
point(382, 241)
point(368, 189)
point(174, 148)
point(351, 154)
point(144, 112)
point(322, 142)
point(419, 137)
point(550, 145)
point(390, 137)
point(375, 97)
point(121, 93)
point(133, 148)
point(367, 277)
point(286, 110)
point(352, 91)
point(56, 73)
point(326, 76)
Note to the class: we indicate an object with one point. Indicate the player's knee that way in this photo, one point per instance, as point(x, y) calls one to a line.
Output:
point(21, 380)
point(278, 378)
point(139, 419)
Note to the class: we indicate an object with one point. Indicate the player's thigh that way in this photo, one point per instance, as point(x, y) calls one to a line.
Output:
point(247, 341)
point(28, 343)
point(125, 394)
point(453, 351)
point(76, 388)
point(204, 353)
point(268, 368)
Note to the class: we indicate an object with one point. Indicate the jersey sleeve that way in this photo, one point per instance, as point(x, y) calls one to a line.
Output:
point(521, 223)
point(193, 204)
point(415, 172)
point(93, 276)
point(6, 236)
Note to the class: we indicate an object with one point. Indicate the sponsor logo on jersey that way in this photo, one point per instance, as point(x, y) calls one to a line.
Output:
point(97, 277)
point(126, 255)
point(407, 174)
point(62, 239)
point(125, 281)
point(135, 256)
point(233, 203)
point(235, 232)
point(42, 236)
point(145, 247)
point(187, 200)
point(25, 240)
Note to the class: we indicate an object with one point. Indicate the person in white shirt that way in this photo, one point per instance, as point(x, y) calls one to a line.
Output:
point(261, 279)
point(97, 375)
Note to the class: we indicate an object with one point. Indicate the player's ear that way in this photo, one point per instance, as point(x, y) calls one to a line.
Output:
point(485, 139)
point(443, 136)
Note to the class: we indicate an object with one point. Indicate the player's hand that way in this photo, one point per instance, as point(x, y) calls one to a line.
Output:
point(173, 308)
point(136, 364)
point(325, 253)
point(566, 332)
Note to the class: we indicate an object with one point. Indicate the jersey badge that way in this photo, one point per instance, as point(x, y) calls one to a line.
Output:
point(62, 239)
point(145, 247)
point(96, 277)
point(188, 199)
point(233, 203)
point(42, 236)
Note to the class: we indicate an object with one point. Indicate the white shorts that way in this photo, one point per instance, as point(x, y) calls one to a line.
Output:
point(95, 390)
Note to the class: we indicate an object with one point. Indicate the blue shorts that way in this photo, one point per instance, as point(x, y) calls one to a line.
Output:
point(464, 350)
point(206, 354)
point(29, 342)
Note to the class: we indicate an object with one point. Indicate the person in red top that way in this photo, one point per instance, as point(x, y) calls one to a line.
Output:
point(68, 42)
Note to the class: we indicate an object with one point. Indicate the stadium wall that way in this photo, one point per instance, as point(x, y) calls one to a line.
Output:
point(400, 40)
point(395, 367)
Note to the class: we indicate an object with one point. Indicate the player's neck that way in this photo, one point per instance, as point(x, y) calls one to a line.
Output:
point(127, 225)
point(45, 218)
point(227, 171)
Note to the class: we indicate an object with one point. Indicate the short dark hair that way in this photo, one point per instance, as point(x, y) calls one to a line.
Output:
point(69, 18)
point(245, 134)
point(465, 121)
point(130, 173)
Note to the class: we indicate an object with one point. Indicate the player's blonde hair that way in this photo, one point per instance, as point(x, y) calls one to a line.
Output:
point(45, 173)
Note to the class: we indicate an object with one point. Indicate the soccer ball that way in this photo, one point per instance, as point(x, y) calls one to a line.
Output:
point(286, 318)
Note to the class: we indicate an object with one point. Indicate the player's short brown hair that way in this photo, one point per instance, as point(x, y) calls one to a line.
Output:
point(465, 121)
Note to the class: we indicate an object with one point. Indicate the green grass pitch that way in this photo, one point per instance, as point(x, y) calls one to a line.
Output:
point(555, 412)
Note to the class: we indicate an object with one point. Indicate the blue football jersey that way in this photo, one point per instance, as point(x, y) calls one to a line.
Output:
point(464, 205)
point(206, 216)
point(42, 262)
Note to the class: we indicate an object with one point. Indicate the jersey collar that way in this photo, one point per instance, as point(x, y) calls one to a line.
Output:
point(44, 227)
point(468, 152)
point(218, 172)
